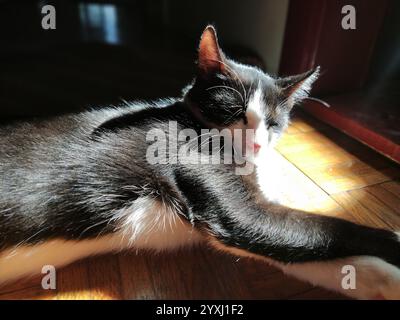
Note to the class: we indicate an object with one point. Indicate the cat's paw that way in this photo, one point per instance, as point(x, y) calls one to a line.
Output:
point(390, 286)
point(391, 292)
point(391, 289)
point(382, 281)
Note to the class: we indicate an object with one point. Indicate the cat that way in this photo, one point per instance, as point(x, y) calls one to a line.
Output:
point(81, 184)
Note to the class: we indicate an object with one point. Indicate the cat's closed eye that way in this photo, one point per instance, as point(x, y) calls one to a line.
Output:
point(272, 124)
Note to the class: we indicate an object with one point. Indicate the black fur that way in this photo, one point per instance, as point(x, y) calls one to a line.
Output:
point(68, 176)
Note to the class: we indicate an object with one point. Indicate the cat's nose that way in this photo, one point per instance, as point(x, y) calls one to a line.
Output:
point(256, 147)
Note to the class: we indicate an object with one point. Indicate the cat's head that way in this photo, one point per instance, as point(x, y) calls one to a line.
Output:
point(227, 94)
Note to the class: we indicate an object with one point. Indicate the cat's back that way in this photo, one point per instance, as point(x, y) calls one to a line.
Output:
point(21, 138)
point(20, 133)
point(41, 145)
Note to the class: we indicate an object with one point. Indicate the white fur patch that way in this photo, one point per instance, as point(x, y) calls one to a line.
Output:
point(255, 115)
point(256, 103)
point(151, 224)
point(146, 224)
point(255, 123)
point(272, 176)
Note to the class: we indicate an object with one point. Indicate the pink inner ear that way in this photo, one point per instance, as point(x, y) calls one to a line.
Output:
point(210, 56)
point(292, 89)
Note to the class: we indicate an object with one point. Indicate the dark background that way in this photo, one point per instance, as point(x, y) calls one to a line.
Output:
point(98, 54)
point(104, 51)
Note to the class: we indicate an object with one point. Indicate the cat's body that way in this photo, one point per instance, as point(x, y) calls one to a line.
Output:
point(80, 185)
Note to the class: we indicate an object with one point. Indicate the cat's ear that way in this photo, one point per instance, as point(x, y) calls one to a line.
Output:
point(298, 87)
point(211, 58)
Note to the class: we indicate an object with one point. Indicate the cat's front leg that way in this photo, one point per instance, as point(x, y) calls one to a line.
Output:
point(360, 276)
point(308, 246)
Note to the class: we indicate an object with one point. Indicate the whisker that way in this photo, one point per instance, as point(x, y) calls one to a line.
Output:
point(238, 78)
point(234, 73)
point(227, 87)
point(283, 102)
point(205, 141)
point(232, 116)
point(197, 137)
point(251, 88)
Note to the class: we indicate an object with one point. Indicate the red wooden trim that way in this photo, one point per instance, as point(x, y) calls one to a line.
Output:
point(314, 36)
point(354, 129)
point(302, 33)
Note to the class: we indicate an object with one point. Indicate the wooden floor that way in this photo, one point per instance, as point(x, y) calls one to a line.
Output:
point(328, 172)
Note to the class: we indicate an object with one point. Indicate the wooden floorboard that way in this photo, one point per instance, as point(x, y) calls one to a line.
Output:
point(326, 172)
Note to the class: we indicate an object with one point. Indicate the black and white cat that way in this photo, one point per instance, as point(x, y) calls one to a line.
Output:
point(80, 185)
